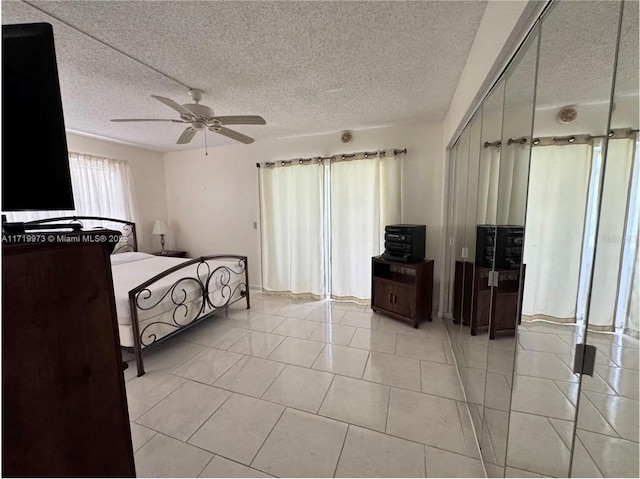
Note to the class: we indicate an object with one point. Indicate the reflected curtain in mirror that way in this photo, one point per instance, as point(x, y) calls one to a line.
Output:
point(608, 261)
point(558, 186)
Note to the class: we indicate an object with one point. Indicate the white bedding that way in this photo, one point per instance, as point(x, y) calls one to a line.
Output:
point(132, 269)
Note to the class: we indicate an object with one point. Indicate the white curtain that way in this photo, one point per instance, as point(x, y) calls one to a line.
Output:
point(512, 184)
point(365, 197)
point(627, 314)
point(292, 216)
point(558, 186)
point(101, 187)
point(611, 230)
point(488, 176)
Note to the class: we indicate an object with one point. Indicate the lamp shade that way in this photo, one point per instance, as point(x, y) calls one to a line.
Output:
point(160, 228)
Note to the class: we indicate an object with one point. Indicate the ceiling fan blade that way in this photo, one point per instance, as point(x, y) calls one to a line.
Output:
point(235, 135)
point(145, 119)
point(186, 136)
point(241, 120)
point(172, 104)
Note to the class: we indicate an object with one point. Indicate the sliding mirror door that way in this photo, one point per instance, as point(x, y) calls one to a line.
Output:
point(574, 83)
point(460, 167)
point(477, 334)
point(508, 270)
point(606, 441)
point(473, 347)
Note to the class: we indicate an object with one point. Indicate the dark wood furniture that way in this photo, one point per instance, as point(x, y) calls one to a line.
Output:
point(402, 290)
point(476, 305)
point(64, 406)
point(171, 254)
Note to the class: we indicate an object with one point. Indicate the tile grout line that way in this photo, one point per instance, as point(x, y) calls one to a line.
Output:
point(464, 442)
point(266, 439)
point(206, 420)
point(586, 398)
point(386, 422)
point(325, 395)
point(588, 454)
point(307, 412)
point(344, 441)
point(206, 465)
point(366, 363)
point(424, 450)
point(312, 369)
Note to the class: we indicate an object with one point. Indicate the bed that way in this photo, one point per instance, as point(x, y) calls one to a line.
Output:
point(158, 297)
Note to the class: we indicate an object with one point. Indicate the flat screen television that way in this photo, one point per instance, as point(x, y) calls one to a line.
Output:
point(35, 160)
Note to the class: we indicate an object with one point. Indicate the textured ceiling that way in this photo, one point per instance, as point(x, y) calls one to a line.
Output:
point(577, 53)
point(306, 67)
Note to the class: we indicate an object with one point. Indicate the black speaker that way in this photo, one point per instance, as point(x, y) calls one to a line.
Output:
point(405, 243)
point(503, 241)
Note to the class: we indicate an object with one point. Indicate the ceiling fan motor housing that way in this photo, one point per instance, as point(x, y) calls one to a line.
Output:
point(199, 110)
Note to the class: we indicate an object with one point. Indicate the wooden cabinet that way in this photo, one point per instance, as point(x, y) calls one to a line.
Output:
point(64, 406)
point(402, 290)
point(497, 309)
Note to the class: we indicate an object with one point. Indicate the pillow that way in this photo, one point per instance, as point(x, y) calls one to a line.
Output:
point(121, 258)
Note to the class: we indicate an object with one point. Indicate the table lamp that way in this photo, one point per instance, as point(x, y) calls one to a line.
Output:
point(160, 228)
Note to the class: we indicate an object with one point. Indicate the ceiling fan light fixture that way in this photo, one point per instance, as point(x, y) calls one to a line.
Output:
point(202, 117)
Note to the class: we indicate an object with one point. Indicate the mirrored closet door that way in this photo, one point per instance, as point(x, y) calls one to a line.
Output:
point(543, 250)
point(606, 439)
point(574, 82)
point(509, 272)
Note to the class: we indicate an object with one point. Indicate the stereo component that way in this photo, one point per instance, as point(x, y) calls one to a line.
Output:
point(405, 243)
point(502, 241)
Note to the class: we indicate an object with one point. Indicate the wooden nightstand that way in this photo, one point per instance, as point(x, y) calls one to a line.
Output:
point(171, 254)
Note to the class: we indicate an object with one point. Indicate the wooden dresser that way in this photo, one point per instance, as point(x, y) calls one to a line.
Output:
point(402, 290)
point(64, 406)
point(476, 305)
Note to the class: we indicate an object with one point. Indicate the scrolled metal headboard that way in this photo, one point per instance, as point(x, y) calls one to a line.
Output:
point(128, 241)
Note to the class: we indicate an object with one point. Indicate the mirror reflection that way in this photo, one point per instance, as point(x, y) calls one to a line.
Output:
point(543, 251)
point(608, 403)
point(569, 137)
point(508, 270)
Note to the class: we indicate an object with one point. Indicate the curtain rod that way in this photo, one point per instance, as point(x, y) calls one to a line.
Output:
point(362, 155)
point(570, 139)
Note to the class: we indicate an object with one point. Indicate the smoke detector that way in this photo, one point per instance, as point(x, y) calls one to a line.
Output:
point(567, 115)
point(346, 137)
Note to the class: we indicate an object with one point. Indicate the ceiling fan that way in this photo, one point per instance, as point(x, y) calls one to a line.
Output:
point(201, 117)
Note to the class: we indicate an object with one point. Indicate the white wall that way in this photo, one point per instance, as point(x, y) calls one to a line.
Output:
point(147, 170)
point(213, 200)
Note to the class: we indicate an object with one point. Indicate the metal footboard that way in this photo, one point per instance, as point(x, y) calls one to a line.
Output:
point(206, 287)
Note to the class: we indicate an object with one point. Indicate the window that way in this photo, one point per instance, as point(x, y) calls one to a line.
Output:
point(101, 187)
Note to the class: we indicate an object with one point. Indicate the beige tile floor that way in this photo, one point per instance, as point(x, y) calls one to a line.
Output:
point(302, 389)
point(544, 398)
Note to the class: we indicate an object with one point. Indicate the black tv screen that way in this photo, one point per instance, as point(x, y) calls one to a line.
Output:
point(35, 160)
